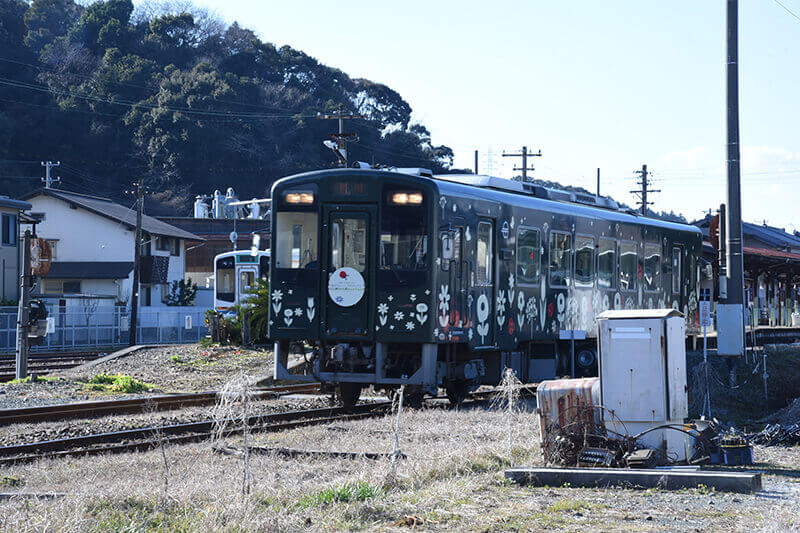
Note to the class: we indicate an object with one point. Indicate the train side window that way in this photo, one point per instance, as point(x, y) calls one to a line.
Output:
point(484, 252)
point(529, 246)
point(560, 258)
point(628, 265)
point(451, 248)
point(676, 270)
point(607, 264)
point(584, 261)
point(652, 266)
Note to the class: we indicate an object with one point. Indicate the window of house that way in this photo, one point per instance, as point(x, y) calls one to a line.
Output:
point(72, 287)
point(484, 253)
point(584, 261)
point(52, 287)
point(164, 292)
point(560, 258)
point(628, 265)
point(607, 264)
point(53, 248)
point(9, 229)
point(146, 293)
point(652, 266)
point(175, 247)
point(162, 244)
point(529, 255)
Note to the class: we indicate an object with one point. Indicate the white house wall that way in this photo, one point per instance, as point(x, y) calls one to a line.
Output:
point(86, 236)
point(82, 235)
point(8, 266)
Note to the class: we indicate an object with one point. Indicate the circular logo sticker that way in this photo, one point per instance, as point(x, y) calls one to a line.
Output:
point(346, 286)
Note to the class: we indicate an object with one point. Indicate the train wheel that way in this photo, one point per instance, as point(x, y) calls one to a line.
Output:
point(347, 394)
point(457, 392)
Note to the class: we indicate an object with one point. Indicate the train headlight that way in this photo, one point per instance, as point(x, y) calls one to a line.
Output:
point(405, 198)
point(299, 197)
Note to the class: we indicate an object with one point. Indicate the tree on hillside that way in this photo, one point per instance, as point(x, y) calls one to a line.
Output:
point(169, 92)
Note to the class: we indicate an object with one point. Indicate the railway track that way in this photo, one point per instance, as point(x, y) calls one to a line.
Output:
point(150, 437)
point(164, 402)
point(44, 363)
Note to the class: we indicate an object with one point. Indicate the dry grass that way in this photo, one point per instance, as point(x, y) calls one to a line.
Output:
point(451, 479)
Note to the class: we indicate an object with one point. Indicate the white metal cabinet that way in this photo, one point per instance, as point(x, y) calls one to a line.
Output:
point(642, 358)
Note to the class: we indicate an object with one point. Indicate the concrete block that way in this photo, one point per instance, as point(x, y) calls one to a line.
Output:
point(743, 482)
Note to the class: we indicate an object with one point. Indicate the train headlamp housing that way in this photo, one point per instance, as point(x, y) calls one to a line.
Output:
point(299, 197)
point(406, 198)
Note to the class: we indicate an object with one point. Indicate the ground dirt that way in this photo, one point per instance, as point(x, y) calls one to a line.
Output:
point(447, 475)
point(174, 368)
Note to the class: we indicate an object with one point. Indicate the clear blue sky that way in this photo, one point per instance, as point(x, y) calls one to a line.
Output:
point(611, 84)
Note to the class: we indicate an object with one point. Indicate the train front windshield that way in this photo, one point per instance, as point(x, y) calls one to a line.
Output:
point(226, 279)
point(296, 240)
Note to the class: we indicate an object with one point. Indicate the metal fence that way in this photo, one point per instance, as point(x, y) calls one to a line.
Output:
point(108, 327)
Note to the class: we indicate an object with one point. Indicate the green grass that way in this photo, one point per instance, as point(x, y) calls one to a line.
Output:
point(28, 380)
point(349, 492)
point(134, 514)
point(569, 506)
point(116, 383)
point(11, 481)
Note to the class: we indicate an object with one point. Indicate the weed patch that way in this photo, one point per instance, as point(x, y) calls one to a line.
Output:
point(116, 383)
point(349, 492)
point(11, 481)
point(569, 506)
point(30, 379)
point(134, 514)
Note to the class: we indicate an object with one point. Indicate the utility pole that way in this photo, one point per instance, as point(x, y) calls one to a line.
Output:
point(476, 162)
point(137, 253)
point(598, 183)
point(23, 316)
point(524, 154)
point(48, 181)
point(644, 183)
point(341, 138)
point(730, 311)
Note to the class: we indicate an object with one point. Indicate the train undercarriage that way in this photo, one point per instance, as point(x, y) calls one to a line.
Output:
point(424, 369)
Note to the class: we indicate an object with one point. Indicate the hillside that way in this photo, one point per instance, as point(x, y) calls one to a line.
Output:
point(170, 93)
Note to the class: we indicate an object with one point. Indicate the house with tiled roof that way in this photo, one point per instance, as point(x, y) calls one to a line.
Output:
point(92, 247)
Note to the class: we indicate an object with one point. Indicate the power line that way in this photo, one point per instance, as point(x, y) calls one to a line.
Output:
point(127, 103)
point(133, 85)
point(792, 13)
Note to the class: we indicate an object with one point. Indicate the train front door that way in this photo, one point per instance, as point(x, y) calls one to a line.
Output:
point(348, 265)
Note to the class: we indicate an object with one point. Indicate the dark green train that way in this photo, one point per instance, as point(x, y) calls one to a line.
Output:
point(404, 278)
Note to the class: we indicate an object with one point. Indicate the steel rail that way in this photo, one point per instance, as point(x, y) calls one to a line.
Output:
point(163, 402)
point(147, 438)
